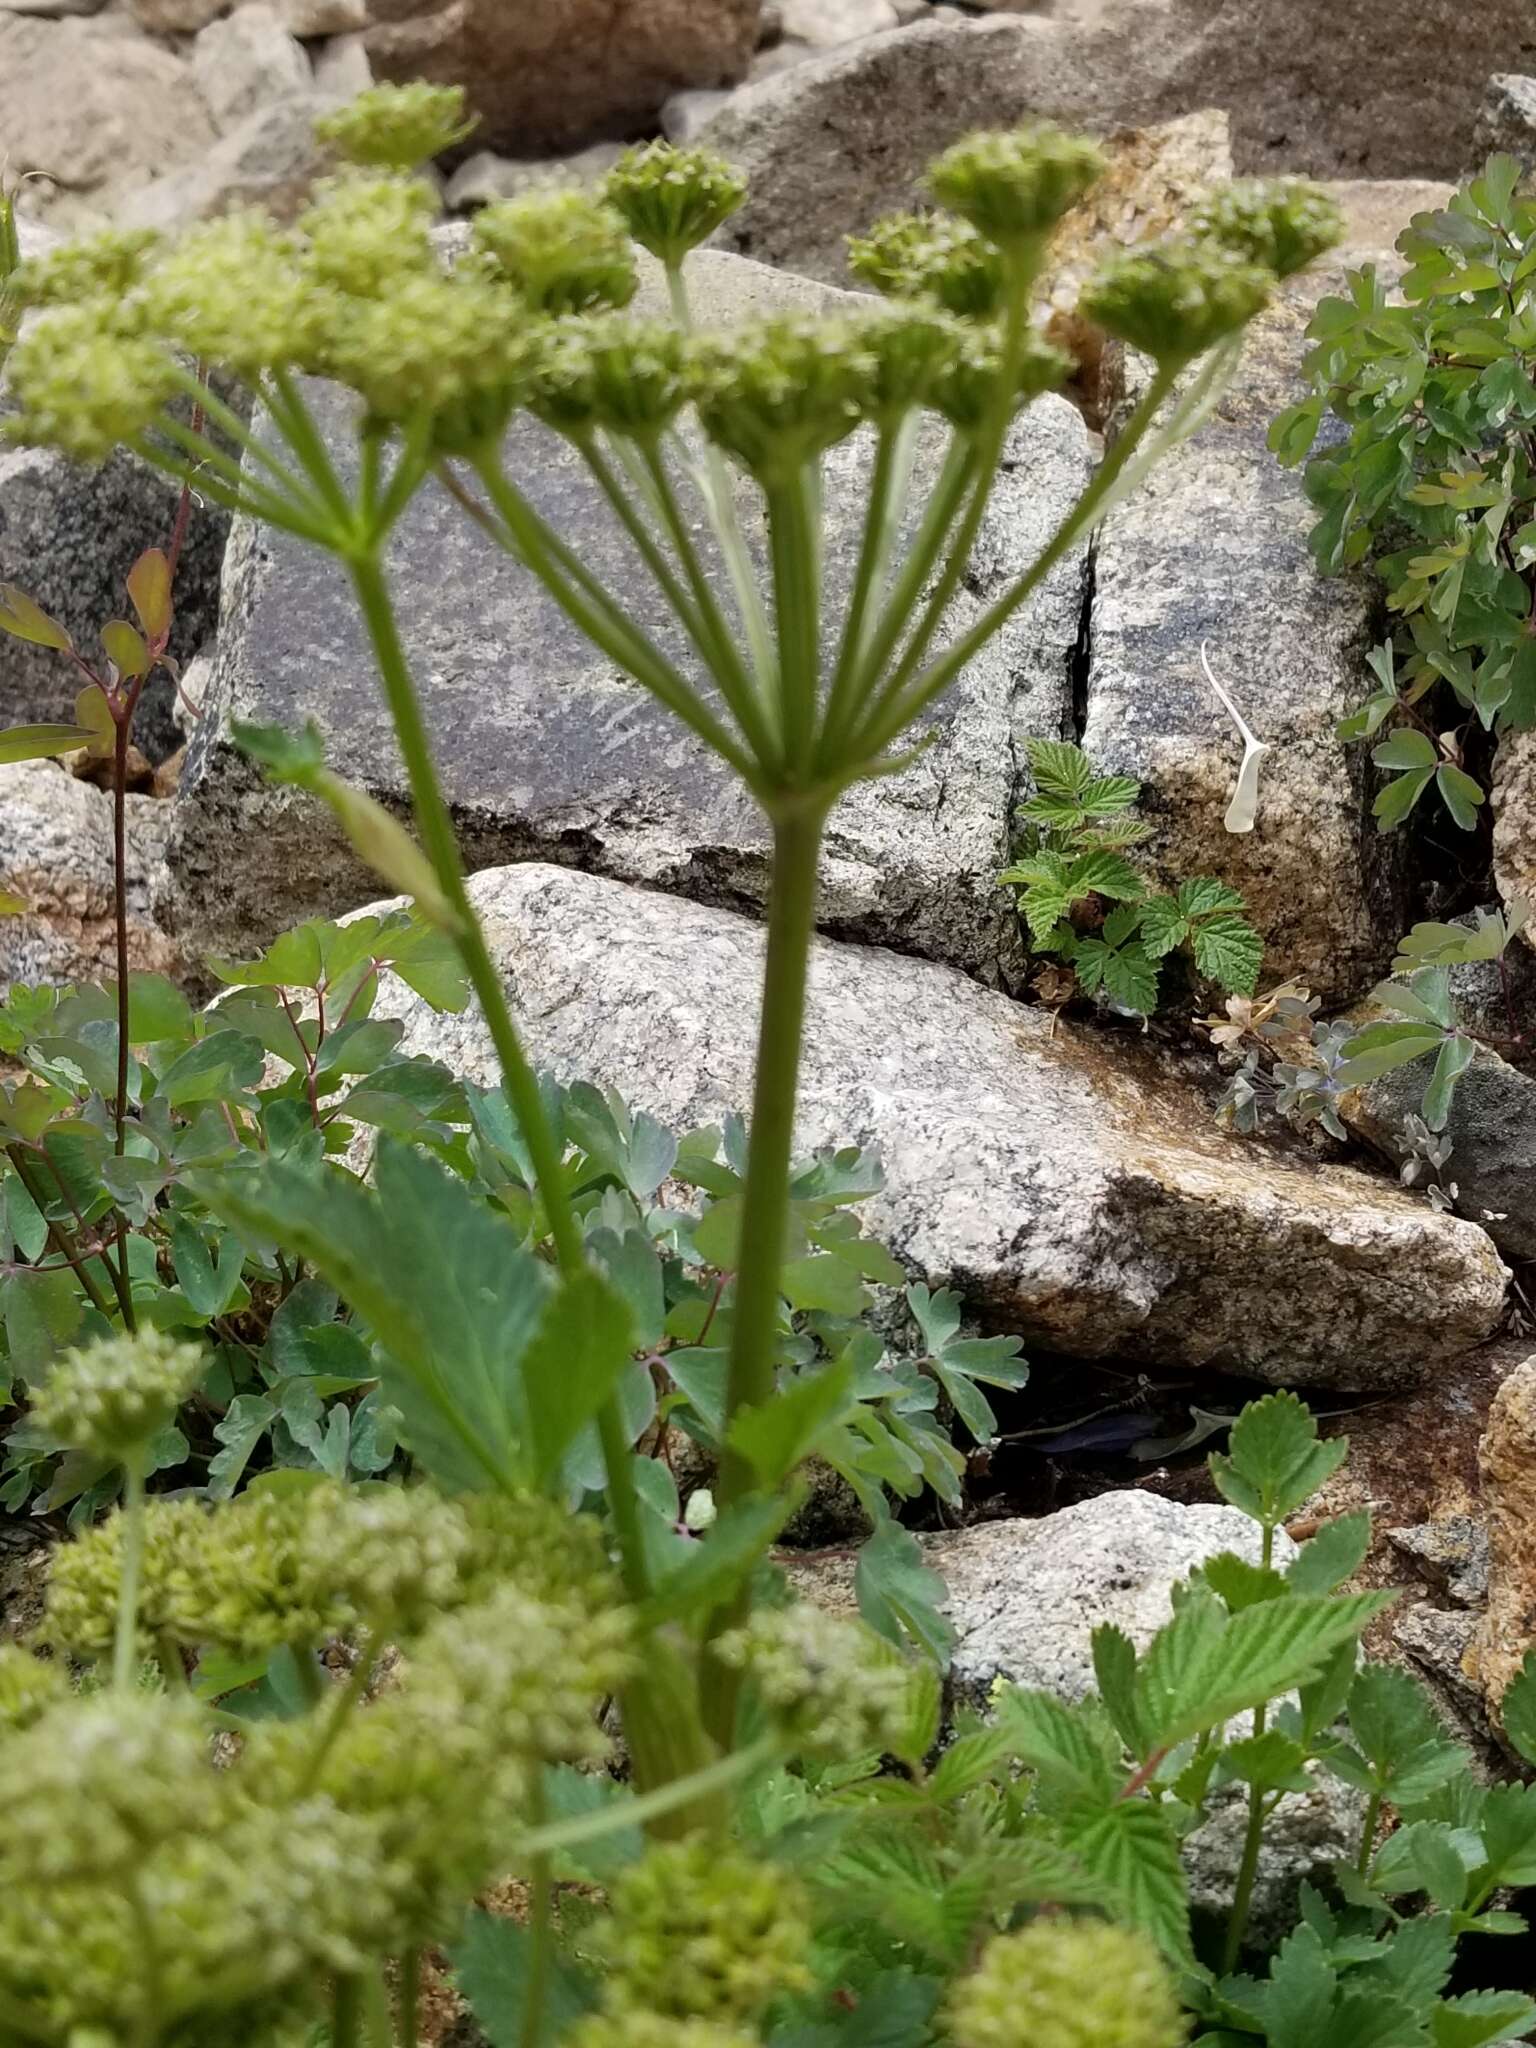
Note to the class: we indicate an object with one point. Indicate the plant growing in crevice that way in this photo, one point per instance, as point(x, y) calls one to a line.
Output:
point(1086, 904)
point(1433, 484)
point(503, 1360)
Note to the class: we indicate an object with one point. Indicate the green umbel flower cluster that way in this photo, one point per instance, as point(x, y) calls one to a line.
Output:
point(111, 1398)
point(1067, 1984)
point(158, 1891)
point(835, 1688)
point(298, 1568)
point(1282, 224)
point(701, 1931)
point(605, 371)
point(110, 262)
point(397, 127)
point(563, 250)
point(781, 390)
point(1015, 187)
point(911, 255)
point(1176, 298)
point(967, 393)
point(655, 2030)
point(86, 381)
point(671, 199)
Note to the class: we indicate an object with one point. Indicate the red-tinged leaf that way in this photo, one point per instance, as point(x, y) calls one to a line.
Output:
point(149, 588)
point(24, 620)
point(126, 648)
point(34, 742)
point(93, 714)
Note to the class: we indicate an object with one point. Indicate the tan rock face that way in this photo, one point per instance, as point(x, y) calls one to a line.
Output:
point(1508, 1460)
point(1514, 820)
point(551, 74)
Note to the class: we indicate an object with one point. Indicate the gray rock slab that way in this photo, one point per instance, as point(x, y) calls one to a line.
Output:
point(547, 752)
point(1213, 549)
point(1069, 1184)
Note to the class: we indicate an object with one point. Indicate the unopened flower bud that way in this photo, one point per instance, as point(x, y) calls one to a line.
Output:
point(702, 1931)
point(364, 234)
point(671, 199)
point(835, 1688)
point(911, 255)
point(1175, 299)
point(1015, 186)
point(564, 250)
point(1281, 224)
point(432, 343)
point(604, 370)
point(1062, 1983)
point(913, 351)
point(397, 127)
point(112, 1397)
point(776, 392)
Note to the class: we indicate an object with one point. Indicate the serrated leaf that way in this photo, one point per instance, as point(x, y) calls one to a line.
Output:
point(1422, 1857)
point(1130, 979)
point(1333, 1555)
point(1478, 2018)
point(1271, 1762)
point(1104, 874)
point(1509, 1835)
point(1060, 1744)
point(1059, 767)
point(1229, 951)
point(1134, 1854)
point(1517, 1709)
point(494, 1968)
point(1163, 926)
point(1275, 1458)
point(775, 1437)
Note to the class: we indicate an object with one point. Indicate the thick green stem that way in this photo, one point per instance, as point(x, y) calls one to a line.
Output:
point(1368, 1834)
point(410, 1998)
point(125, 1642)
point(435, 825)
point(795, 542)
point(346, 2012)
point(541, 1930)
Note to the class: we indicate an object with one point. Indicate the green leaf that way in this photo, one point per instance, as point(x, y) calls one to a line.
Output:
point(716, 1564)
point(1382, 1048)
point(1292, 432)
point(240, 1429)
point(450, 1293)
point(776, 1436)
point(149, 591)
point(125, 648)
point(1104, 874)
point(214, 1068)
point(1128, 977)
point(209, 1288)
point(1134, 1854)
point(1163, 926)
point(1461, 796)
point(1333, 1555)
point(899, 1595)
point(1406, 748)
point(1509, 1835)
point(1422, 1857)
point(1271, 1762)
point(1394, 1726)
point(1059, 767)
point(1061, 1744)
point(1229, 951)
point(1480, 2017)
point(582, 1343)
point(1517, 1709)
point(36, 742)
point(1456, 1055)
point(1275, 1459)
point(1394, 803)
point(493, 1966)
point(1114, 1666)
point(24, 620)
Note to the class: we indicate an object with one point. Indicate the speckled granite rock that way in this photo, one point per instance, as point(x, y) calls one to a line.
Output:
point(1508, 1457)
point(1072, 1183)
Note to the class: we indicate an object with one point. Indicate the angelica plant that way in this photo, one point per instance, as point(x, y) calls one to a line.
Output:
point(512, 1363)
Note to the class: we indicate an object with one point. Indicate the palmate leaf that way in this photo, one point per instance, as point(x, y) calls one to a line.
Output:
point(899, 1595)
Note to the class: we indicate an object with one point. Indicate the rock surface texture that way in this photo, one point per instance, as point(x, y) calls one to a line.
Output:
point(548, 752)
point(1514, 822)
point(56, 855)
point(1509, 1490)
point(1072, 1185)
point(1024, 1598)
point(551, 74)
point(1213, 549)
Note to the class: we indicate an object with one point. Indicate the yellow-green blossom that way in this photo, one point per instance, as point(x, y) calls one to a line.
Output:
point(563, 249)
point(85, 380)
point(363, 234)
point(1067, 1984)
point(1015, 186)
point(232, 292)
point(605, 370)
point(397, 127)
point(1282, 224)
point(777, 391)
point(110, 1398)
point(673, 198)
point(834, 1687)
point(107, 264)
point(1176, 298)
point(912, 255)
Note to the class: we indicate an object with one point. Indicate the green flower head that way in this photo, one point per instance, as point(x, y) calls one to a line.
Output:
point(835, 1688)
point(778, 391)
point(397, 127)
point(364, 233)
point(913, 255)
point(671, 199)
point(29, 1686)
point(455, 347)
point(85, 380)
point(604, 370)
point(1067, 1984)
point(563, 249)
point(967, 393)
point(232, 293)
point(914, 349)
point(86, 1573)
point(1176, 298)
point(702, 1931)
point(1281, 224)
point(105, 265)
point(1014, 187)
point(111, 1398)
